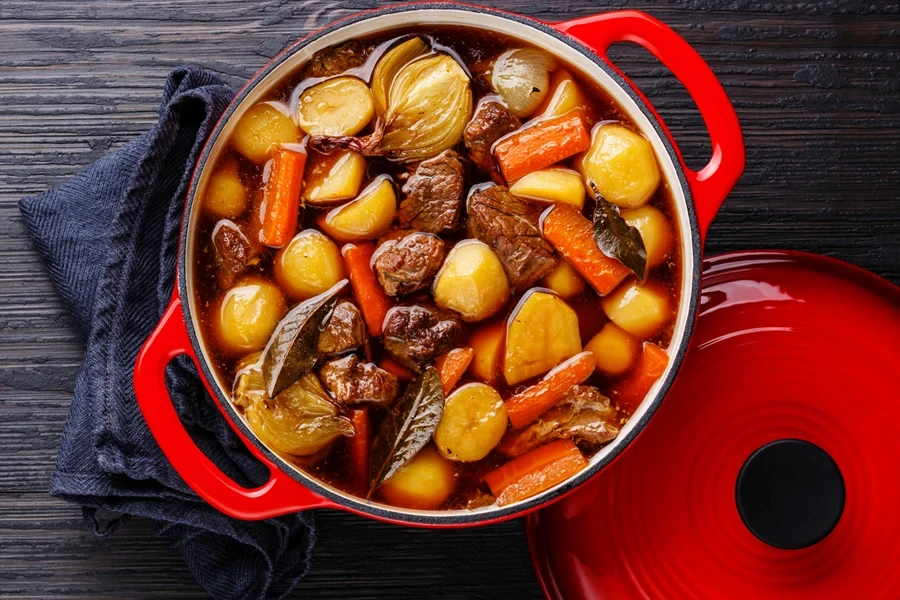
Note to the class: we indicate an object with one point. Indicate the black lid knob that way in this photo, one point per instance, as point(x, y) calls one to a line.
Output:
point(790, 494)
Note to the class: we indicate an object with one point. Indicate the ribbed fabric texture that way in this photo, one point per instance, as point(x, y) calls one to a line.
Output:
point(109, 237)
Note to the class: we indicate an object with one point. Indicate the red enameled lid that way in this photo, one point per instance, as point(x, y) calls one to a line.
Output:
point(782, 431)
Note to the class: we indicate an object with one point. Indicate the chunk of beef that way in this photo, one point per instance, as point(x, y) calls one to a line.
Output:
point(509, 226)
point(344, 331)
point(434, 194)
point(336, 60)
point(416, 335)
point(491, 122)
point(352, 381)
point(584, 415)
point(408, 264)
point(235, 253)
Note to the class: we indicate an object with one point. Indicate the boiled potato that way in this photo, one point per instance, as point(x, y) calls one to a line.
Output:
point(225, 194)
point(614, 349)
point(263, 127)
point(472, 282)
point(247, 315)
point(473, 421)
point(487, 342)
point(332, 178)
point(655, 231)
point(366, 216)
point(622, 165)
point(639, 309)
point(551, 185)
point(424, 483)
point(542, 332)
point(309, 265)
point(564, 96)
point(339, 106)
point(564, 280)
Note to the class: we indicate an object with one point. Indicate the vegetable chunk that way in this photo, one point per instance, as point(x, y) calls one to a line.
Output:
point(309, 265)
point(472, 282)
point(622, 165)
point(366, 216)
point(542, 333)
point(424, 483)
point(336, 107)
point(263, 128)
point(247, 315)
point(225, 195)
point(473, 422)
point(540, 145)
point(641, 310)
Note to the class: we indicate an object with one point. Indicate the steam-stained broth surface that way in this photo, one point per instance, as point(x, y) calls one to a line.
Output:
point(421, 196)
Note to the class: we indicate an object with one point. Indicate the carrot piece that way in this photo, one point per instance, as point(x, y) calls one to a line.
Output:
point(540, 145)
point(373, 302)
point(535, 471)
point(648, 367)
point(452, 365)
point(359, 448)
point(533, 401)
point(572, 235)
point(282, 197)
point(391, 366)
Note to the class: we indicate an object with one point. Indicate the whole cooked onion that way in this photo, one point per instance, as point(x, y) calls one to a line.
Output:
point(522, 78)
point(389, 65)
point(428, 107)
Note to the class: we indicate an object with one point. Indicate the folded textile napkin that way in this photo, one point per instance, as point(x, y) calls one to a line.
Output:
point(109, 237)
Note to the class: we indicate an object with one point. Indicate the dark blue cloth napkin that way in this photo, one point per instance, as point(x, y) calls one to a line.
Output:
point(109, 237)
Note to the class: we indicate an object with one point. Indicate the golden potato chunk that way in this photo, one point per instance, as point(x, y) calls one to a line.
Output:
point(334, 177)
point(336, 107)
point(366, 216)
point(309, 265)
point(655, 231)
point(487, 342)
point(641, 310)
point(614, 349)
point(263, 127)
point(564, 280)
point(551, 185)
point(247, 315)
point(473, 421)
point(472, 282)
point(542, 332)
point(622, 165)
point(564, 96)
point(225, 195)
point(424, 483)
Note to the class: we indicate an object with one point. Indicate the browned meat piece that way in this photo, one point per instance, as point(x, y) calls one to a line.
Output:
point(235, 253)
point(416, 335)
point(408, 264)
point(336, 59)
point(344, 331)
point(509, 226)
point(434, 194)
point(491, 122)
point(351, 381)
point(584, 415)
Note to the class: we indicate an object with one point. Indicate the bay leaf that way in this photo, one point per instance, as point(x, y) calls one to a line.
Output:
point(407, 428)
point(616, 238)
point(293, 348)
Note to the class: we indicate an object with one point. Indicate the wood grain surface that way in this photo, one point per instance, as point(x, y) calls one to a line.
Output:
point(816, 85)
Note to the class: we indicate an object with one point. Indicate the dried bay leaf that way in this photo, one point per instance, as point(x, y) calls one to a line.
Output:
point(616, 238)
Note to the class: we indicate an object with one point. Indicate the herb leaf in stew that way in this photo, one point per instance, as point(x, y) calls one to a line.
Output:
point(617, 238)
point(407, 428)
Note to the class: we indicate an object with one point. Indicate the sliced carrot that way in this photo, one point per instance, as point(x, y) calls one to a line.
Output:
point(648, 367)
point(391, 366)
point(540, 145)
point(452, 365)
point(282, 197)
point(572, 235)
point(535, 471)
point(359, 448)
point(533, 401)
point(373, 302)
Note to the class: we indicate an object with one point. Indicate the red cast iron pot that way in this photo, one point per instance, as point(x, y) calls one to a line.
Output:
point(581, 42)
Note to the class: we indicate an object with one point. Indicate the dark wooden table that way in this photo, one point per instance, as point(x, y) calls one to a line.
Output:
point(817, 88)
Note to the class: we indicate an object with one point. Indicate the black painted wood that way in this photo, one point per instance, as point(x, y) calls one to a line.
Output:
point(817, 87)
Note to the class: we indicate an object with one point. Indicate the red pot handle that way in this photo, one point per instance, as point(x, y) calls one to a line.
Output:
point(711, 184)
point(278, 496)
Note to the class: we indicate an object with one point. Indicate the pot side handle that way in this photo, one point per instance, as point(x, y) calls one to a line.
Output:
point(278, 496)
point(711, 184)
